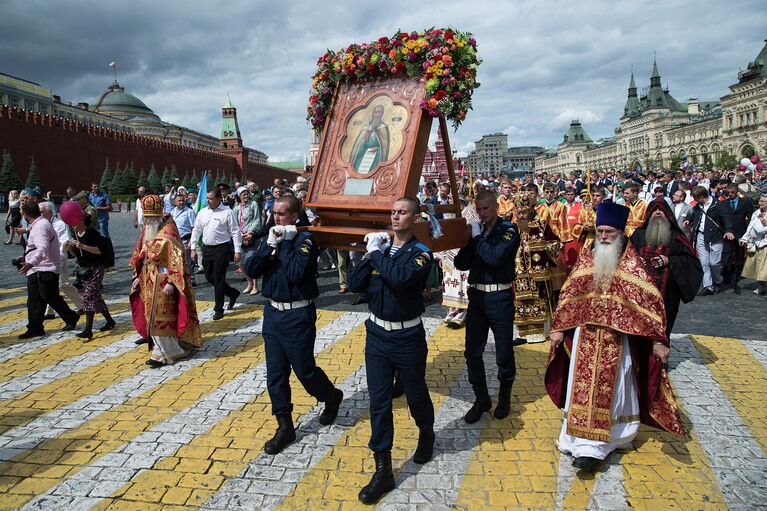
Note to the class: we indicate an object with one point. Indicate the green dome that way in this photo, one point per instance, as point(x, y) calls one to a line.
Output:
point(118, 103)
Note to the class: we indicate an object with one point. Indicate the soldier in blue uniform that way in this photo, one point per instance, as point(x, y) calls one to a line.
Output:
point(393, 274)
point(490, 257)
point(287, 260)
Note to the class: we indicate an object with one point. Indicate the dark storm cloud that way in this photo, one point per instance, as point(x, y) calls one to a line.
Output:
point(544, 62)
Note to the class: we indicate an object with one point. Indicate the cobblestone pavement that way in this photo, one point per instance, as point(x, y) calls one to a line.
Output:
point(89, 426)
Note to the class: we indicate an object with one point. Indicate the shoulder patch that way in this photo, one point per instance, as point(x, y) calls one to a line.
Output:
point(422, 259)
point(306, 245)
point(511, 231)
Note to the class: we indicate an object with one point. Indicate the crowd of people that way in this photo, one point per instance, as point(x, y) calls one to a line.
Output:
point(597, 266)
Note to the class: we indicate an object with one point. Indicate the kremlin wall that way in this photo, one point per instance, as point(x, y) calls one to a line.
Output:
point(72, 151)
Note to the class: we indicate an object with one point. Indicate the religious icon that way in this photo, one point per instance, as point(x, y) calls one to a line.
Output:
point(374, 134)
point(376, 123)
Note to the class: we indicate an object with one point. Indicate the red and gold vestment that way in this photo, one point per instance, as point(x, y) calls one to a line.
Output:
point(156, 263)
point(632, 306)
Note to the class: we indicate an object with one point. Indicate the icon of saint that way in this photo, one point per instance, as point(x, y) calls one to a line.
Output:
point(372, 144)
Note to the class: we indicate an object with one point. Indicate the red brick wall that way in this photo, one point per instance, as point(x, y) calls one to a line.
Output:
point(70, 153)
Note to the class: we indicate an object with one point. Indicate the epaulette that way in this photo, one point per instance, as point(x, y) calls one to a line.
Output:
point(423, 248)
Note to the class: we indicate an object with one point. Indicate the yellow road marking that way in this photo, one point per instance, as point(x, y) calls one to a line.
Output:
point(516, 460)
point(741, 377)
point(225, 451)
point(67, 348)
point(38, 470)
point(12, 290)
point(347, 467)
point(7, 303)
point(668, 472)
point(27, 406)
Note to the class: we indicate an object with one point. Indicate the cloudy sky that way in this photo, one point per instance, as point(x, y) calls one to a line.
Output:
point(545, 62)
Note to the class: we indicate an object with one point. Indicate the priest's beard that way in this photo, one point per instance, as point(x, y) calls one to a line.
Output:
point(658, 232)
point(151, 227)
point(606, 258)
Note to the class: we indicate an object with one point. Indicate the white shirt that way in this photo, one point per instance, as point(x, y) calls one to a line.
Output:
point(705, 206)
point(139, 212)
point(217, 226)
point(62, 231)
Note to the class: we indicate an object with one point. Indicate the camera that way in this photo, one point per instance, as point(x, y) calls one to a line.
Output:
point(18, 262)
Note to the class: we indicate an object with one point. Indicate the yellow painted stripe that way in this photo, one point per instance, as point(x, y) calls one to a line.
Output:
point(28, 406)
point(11, 290)
point(668, 472)
point(55, 459)
point(347, 467)
point(7, 303)
point(516, 460)
point(6, 318)
point(198, 469)
point(741, 377)
point(67, 348)
point(11, 338)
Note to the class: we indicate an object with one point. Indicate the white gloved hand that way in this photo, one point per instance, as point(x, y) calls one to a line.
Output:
point(476, 227)
point(375, 241)
point(290, 232)
point(385, 241)
point(276, 235)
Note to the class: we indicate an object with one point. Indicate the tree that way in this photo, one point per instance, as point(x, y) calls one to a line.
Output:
point(9, 179)
point(116, 186)
point(130, 182)
point(153, 181)
point(218, 178)
point(165, 176)
point(186, 183)
point(142, 181)
point(194, 180)
point(33, 179)
point(726, 161)
point(106, 177)
point(173, 172)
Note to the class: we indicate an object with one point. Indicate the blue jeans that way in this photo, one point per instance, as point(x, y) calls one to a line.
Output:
point(104, 226)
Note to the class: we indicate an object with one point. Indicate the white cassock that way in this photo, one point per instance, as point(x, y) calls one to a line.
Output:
point(166, 349)
point(625, 411)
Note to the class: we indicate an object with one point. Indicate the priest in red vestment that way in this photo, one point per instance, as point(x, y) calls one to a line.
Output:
point(161, 297)
point(609, 348)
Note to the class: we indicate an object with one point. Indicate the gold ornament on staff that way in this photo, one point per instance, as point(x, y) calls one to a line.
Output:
point(588, 183)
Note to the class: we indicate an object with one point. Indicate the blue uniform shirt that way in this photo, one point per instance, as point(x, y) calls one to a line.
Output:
point(289, 271)
point(184, 219)
point(99, 200)
point(491, 258)
point(394, 284)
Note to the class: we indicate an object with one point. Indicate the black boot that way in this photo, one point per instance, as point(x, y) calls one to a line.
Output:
point(87, 332)
point(503, 406)
point(284, 435)
point(110, 324)
point(382, 481)
point(398, 389)
point(481, 405)
point(332, 404)
point(587, 464)
point(425, 449)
